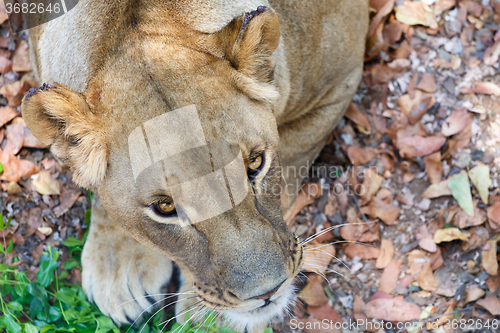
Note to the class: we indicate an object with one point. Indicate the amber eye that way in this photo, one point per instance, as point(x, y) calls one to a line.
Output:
point(166, 208)
point(256, 163)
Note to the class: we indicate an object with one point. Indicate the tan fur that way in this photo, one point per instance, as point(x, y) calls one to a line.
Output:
point(278, 85)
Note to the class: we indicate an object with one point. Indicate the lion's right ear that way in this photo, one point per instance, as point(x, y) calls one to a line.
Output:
point(60, 117)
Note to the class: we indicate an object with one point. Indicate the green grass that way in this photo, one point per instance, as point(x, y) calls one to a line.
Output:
point(52, 305)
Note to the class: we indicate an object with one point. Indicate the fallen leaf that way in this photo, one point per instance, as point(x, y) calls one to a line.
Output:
point(437, 190)
point(473, 294)
point(3, 13)
point(421, 266)
point(460, 189)
point(317, 257)
point(313, 293)
point(14, 168)
point(21, 59)
point(415, 13)
point(371, 184)
point(492, 54)
point(360, 156)
point(45, 230)
point(486, 88)
point(14, 188)
point(494, 212)
point(67, 198)
point(427, 83)
point(425, 239)
point(422, 146)
point(15, 138)
point(362, 251)
point(382, 12)
point(450, 234)
point(492, 304)
point(478, 238)
point(34, 221)
point(416, 106)
point(308, 193)
point(392, 33)
point(45, 184)
point(433, 167)
point(489, 260)
point(6, 114)
point(324, 312)
point(389, 277)
point(456, 122)
point(463, 220)
point(15, 92)
point(480, 177)
point(387, 212)
point(386, 253)
point(493, 282)
point(357, 116)
point(395, 309)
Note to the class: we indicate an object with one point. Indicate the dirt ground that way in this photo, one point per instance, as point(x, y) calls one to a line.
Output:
point(390, 198)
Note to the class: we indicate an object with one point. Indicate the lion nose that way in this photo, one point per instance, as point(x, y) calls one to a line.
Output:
point(269, 294)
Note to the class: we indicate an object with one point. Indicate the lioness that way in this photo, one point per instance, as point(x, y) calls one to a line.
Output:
point(272, 78)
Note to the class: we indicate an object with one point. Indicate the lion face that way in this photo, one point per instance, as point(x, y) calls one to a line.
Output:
point(177, 134)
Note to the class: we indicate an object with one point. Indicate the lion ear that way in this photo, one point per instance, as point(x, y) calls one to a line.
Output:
point(60, 117)
point(250, 41)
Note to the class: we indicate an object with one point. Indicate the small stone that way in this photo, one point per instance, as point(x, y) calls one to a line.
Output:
point(462, 159)
point(477, 154)
point(424, 204)
point(356, 267)
point(362, 277)
point(487, 158)
point(449, 85)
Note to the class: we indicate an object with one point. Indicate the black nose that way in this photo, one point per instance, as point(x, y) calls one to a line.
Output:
point(268, 295)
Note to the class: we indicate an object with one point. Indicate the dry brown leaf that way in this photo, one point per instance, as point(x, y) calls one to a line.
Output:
point(67, 198)
point(3, 13)
point(15, 138)
point(21, 59)
point(425, 240)
point(463, 220)
point(437, 190)
point(433, 167)
point(360, 156)
point(389, 277)
point(416, 106)
point(492, 54)
point(395, 309)
point(422, 145)
point(357, 116)
point(386, 253)
point(493, 282)
point(492, 304)
point(15, 168)
point(393, 32)
point(387, 212)
point(14, 188)
point(313, 293)
point(416, 13)
point(371, 185)
point(487, 88)
point(421, 267)
point(473, 294)
point(14, 92)
point(450, 234)
point(6, 114)
point(489, 260)
point(324, 312)
point(456, 122)
point(427, 83)
point(45, 184)
point(478, 238)
point(308, 193)
point(494, 212)
point(317, 257)
point(382, 12)
point(362, 251)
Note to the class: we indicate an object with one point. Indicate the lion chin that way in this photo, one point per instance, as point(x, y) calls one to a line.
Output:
point(258, 318)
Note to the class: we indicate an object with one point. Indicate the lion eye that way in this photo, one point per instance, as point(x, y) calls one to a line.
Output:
point(256, 163)
point(166, 208)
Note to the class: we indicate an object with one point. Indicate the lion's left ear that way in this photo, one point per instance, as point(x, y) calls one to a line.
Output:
point(60, 117)
point(250, 41)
